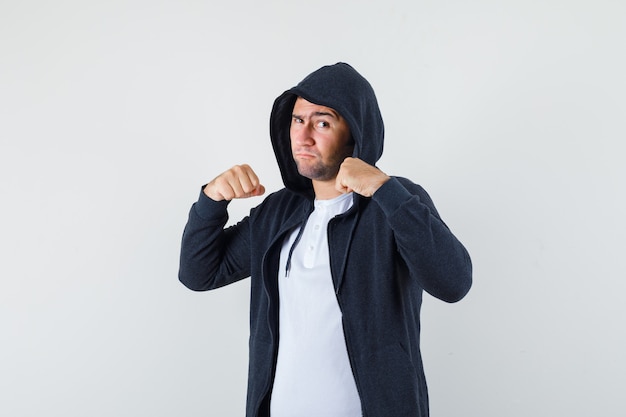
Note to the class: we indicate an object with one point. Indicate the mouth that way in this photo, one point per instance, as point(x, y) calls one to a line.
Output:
point(304, 155)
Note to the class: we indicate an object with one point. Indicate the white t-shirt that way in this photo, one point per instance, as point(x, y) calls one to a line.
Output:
point(313, 373)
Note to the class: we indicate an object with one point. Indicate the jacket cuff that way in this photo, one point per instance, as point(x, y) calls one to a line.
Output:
point(209, 209)
point(391, 195)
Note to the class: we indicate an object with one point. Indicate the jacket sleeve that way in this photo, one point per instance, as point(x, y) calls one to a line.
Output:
point(212, 256)
point(434, 256)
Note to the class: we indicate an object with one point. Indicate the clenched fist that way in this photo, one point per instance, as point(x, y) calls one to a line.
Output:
point(238, 182)
point(360, 177)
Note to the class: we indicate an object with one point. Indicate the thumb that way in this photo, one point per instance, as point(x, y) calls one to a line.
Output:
point(341, 187)
point(259, 190)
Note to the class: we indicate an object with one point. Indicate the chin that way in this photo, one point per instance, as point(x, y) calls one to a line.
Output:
point(317, 172)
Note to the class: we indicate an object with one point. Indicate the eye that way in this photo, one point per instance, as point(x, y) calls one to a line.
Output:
point(297, 120)
point(323, 124)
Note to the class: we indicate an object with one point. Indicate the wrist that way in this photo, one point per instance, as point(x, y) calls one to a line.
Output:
point(383, 179)
point(208, 191)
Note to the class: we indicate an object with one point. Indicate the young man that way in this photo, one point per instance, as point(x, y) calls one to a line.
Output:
point(338, 260)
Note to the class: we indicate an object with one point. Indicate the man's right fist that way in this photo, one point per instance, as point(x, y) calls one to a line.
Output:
point(238, 182)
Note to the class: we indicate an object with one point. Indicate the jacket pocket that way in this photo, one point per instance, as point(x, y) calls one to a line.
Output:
point(391, 384)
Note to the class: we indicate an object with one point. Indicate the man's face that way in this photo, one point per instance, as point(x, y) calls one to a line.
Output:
point(320, 140)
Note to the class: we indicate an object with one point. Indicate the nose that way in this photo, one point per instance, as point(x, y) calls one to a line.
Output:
point(301, 134)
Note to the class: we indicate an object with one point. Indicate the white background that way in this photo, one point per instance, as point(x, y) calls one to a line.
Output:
point(114, 113)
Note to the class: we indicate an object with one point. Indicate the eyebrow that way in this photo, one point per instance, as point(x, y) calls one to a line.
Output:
point(317, 113)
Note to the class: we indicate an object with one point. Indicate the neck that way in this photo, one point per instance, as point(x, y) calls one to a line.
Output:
point(325, 190)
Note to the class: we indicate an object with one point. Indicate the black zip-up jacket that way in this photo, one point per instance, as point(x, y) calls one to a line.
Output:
point(384, 252)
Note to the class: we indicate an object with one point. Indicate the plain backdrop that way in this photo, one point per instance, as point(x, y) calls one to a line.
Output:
point(114, 113)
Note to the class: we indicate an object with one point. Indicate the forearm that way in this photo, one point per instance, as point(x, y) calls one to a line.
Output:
point(435, 257)
point(206, 259)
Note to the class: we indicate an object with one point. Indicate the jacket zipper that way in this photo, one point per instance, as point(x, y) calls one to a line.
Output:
point(274, 332)
point(346, 333)
point(347, 337)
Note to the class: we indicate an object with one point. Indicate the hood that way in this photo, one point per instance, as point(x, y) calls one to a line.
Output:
point(343, 89)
